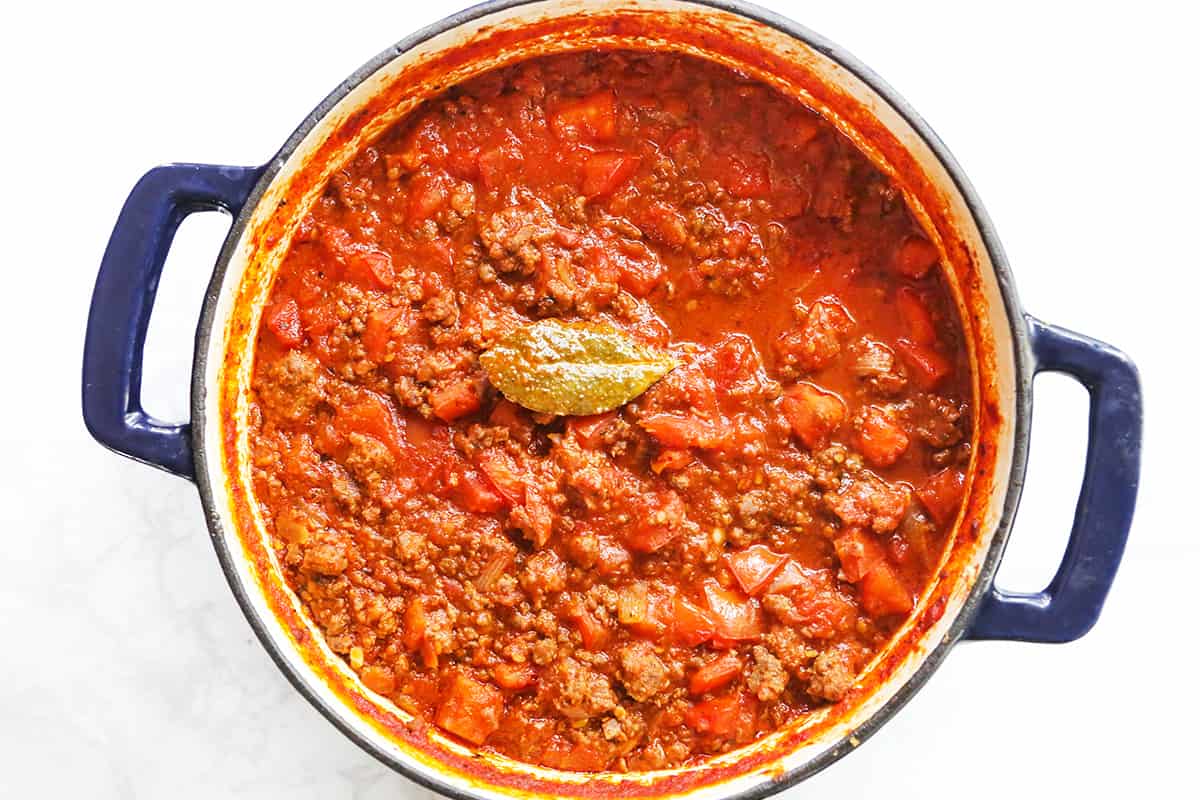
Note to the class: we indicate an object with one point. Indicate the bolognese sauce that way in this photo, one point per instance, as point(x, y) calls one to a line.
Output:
point(667, 580)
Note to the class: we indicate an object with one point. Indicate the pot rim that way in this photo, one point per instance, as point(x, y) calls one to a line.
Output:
point(431, 778)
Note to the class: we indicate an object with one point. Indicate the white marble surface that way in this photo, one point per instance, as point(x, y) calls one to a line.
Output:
point(126, 668)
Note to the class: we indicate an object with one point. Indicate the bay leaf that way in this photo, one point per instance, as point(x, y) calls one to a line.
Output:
point(557, 367)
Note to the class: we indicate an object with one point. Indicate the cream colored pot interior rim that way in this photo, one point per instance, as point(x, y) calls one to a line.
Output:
point(248, 265)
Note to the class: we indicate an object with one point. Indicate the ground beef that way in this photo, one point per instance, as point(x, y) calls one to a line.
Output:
point(767, 678)
point(833, 673)
point(292, 386)
point(642, 672)
point(578, 691)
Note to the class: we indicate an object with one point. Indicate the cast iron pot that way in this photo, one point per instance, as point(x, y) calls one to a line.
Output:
point(1007, 348)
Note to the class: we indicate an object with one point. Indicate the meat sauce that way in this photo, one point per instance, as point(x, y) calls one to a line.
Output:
point(650, 586)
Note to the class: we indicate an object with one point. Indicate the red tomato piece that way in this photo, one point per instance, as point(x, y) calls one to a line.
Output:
point(671, 460)
point(754, 567)
point(283, 320)
point(593, 632)
point(915, 256)
point(916, 316)
point(941, 494)
point(789, 577)
point(929, 366)
point(813, 414)
point(720, 716)
point(611, 558)
point(371, 268)
point(657, 524)
point(593, 117)
point(691, 624)
point(858, 553)
point(372, 414)
point(715, 673)
point(587, 430)
point(415, 623)
point(456, 400)
point(737, 618)
point(513, 676)
point(382, 325)
point(883, 593)
point(676, 430)
point(477, 494)
point(470, 709)
point(881, 438)
point(428, 193)
point(500, 469)
point(606, 171)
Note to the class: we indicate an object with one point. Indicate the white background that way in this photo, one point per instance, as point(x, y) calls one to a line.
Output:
point(127, 670)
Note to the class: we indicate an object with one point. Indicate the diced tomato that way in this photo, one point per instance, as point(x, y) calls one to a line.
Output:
point(371, 269)
point(721, 716)
point(382, 325)
point(881, 438)
point(916, 316)
point(644, 610)
point(506, 414)
point(691, 624)
point(500, 469)
point(744, 175)
point(283, 320)
point(604, 172)
point(537, 521)
point(497, 165)
point(677, 430)
point(428, 192)
point(813, 413)
point(754, 567)
point(593, 632)
point(593, 117)
point(800, 129)
point(883, 593)
point(941, 495)
point(915, 256)
point(791, 577)
point(414, 624)
point(858, 553)
point(737, 618)
point(671, 459)
point(929, 366)
point(587, 430)
point(636, 268)
point(477, 494)
point(611, 558)
point(657, 523)
point(513, 676)
point(470, 709)
point(663, 222)
point(380, 680)
point(372, 414)
point(456, 400)
point(715, 673)
point(817, 343)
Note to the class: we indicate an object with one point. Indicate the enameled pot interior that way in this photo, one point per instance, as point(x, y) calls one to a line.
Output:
point(386, 90)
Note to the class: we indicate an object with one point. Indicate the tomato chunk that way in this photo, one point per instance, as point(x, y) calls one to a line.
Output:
point(722, 716)
point(604, 172)
point(679, 431)
point(513, 676)
point(371, 268)
point(715, 673)
point(941, 495)
point(477, 494)
point(754, 567)
point(658, 522)
point(283, 320)
point(456, 400)
point(737, 619)
point(881, 438)
point(929, 366)
point(593, 117)
point(883, 592)
point(382, 325)
point(813, 414)
point(470, 709)
point(691, 624)
point(915, 256)
point(858, 553)
point(916, 316)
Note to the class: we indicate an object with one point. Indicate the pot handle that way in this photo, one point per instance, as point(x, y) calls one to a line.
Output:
point(124, 296)
point(1068, 608)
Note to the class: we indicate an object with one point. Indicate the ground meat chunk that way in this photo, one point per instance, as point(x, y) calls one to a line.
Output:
point(515, 237)
point(870, 502)
point(326, 557)
point(578, 691)
point(875, 364)
point(291, 386)
point(642, 672)
point(833, 674)
point(767, 678)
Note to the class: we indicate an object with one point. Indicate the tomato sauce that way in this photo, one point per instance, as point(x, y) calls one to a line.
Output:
point(656, 584)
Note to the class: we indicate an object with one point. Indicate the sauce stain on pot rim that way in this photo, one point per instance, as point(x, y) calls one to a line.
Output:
point(387, 89)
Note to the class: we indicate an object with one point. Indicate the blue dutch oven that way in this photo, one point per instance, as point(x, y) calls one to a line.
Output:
point(1008, 346)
